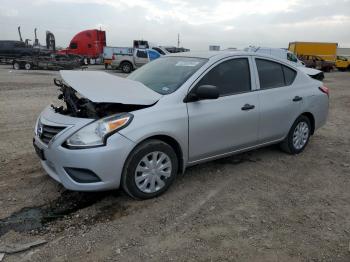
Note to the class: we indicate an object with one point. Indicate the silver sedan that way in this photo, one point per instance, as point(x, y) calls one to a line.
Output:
point(180, 110)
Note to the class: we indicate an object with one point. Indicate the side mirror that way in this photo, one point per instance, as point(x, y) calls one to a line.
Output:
point(203, 92)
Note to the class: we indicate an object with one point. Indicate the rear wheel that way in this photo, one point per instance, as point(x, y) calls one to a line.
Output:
point(28, 66)
point(150, 170)
point(298, 136)
point(126, 67)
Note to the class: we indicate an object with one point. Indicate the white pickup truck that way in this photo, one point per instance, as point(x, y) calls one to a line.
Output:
point(108, 52)
point(131, 61)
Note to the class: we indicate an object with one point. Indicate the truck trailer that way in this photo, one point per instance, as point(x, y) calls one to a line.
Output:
point(327, 51)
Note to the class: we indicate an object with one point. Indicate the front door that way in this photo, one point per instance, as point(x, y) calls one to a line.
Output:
point(230, 122)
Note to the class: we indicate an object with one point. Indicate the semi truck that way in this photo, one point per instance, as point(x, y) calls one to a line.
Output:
point(88, 43)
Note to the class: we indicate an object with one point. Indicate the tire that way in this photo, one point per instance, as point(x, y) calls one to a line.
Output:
point(137, 180)
point(126, 67)
point(16, 65)
point(106, 66)
point(27, 66)
point(290, 144)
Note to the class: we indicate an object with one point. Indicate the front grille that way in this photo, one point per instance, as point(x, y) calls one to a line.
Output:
point(48, 132)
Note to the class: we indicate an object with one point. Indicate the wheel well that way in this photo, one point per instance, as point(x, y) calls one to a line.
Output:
point(175, 145)
point(312, 121)
point(126, 62)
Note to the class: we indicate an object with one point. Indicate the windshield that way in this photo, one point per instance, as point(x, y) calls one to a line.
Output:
point(165, 75)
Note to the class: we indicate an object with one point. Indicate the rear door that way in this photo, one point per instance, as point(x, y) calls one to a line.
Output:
point(280, 100)
point(141, 57)
point(230, 122)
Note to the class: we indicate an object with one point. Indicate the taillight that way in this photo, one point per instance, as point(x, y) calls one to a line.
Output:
point(324, 89)
point(113, 57)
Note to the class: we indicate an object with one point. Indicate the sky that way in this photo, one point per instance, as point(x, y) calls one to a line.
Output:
point(200, 23)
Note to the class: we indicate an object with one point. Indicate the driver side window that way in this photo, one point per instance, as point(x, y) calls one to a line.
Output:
point(231, 77)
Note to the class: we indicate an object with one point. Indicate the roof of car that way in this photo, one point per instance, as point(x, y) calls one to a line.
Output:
point(210, 54)
point(216, 55)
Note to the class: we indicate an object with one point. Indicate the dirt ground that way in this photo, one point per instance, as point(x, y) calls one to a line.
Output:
point(261, 206)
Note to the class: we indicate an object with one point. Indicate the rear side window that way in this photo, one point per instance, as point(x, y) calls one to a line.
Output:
point(141, 54)
point(272, 74)
point(289, 75)
point(231, 77)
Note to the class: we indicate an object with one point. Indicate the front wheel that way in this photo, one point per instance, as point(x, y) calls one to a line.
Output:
point(298, 136)
point(150, 170)
point(16, 66)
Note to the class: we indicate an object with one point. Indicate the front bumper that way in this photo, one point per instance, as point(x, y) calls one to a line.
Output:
point(106, 162)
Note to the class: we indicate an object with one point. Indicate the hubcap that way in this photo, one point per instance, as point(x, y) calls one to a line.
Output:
point(300, 135)
point(16, 66)
point(152, 171)
point(27, 66)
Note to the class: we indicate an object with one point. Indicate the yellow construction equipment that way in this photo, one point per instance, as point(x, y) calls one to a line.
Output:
point(342, 63)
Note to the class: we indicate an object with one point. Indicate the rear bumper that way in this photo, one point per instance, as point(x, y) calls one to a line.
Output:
point(107, 61)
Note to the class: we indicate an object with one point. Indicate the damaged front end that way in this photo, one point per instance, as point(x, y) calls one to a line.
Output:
point(76, 105)
point(104, 102)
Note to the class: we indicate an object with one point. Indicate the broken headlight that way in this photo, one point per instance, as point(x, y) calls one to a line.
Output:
point(97, 132)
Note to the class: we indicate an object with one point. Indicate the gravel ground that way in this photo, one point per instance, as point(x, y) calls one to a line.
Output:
point(258, 206)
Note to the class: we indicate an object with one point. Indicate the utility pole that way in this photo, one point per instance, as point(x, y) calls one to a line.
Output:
point(178, 40)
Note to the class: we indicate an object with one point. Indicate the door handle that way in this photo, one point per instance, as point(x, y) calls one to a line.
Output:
point(297, 98)
point(248, 107)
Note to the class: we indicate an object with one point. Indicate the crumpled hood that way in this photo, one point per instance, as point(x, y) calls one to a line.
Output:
point(101, 87)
